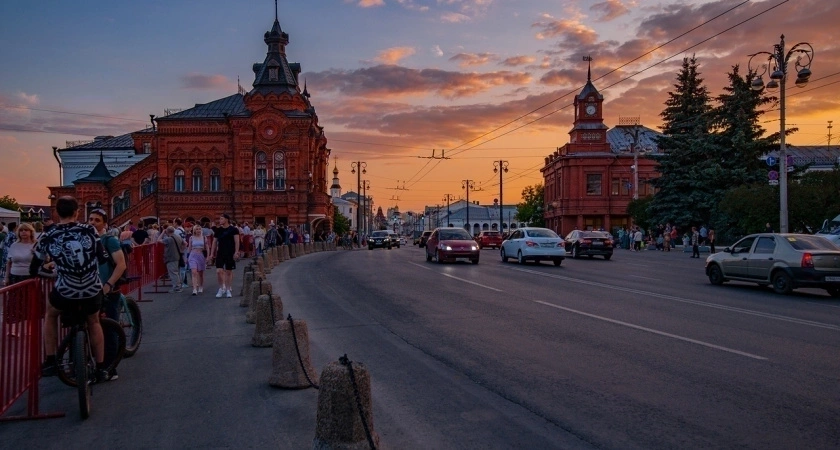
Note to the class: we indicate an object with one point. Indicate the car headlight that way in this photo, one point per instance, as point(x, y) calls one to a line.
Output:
point(474, 247)
point(447, 248)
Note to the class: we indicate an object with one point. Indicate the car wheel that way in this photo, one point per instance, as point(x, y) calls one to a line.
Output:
point(520, 259)
point(504, 256)
point(782, 283)
point(370, 247)
point(557, 262)
point(575, 252)
point(833, 291)
point(474, 261)
point(437, 257)
point(607, 257)
point(428, 256)
point(715, 275)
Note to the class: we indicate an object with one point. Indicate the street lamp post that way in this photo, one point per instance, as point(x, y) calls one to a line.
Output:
point(468, 184)
point(365, 187)
point(778, 59)
point(447, 198)
point(362, 168)
point(500, 166)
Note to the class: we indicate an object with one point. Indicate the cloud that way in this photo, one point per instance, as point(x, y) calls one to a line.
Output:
point(437, 51)
point(515, 61)
point(393, 55)
point(200, 81)
point(453, 17)
point(473, 59)
point(371, 3)
point(569, 32)
point(563, 77)
point(395, 81)
point(409, 4)
point(609, 10)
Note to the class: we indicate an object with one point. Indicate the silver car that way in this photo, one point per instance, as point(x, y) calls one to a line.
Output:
point(785, 261)
point(535, 244)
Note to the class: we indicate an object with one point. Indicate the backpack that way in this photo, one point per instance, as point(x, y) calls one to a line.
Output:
point(126, 249)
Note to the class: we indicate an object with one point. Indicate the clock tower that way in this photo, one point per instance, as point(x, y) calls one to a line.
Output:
point(589, 134)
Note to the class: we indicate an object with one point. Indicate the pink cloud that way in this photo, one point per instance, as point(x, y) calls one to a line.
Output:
point(201, 81)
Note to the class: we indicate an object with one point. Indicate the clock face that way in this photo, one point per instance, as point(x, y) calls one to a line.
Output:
point(590, 110)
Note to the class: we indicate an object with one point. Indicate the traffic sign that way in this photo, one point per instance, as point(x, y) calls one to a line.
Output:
point(774, 182)
point(771, 161)
point(773, 175)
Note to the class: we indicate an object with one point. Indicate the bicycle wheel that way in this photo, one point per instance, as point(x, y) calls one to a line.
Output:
point(132, 324)
point(65, 356)
point(81, 358)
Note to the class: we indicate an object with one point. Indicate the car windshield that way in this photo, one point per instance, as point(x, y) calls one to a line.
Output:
point(454, 235)
point(379, 234)
point(542, 233)
point(811, 243)
point(490, 233)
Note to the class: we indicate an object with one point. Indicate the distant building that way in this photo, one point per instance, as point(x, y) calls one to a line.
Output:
point(481, 217)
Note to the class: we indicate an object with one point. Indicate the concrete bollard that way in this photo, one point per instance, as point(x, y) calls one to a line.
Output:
point(266, 264)
point(300, 251)
point(285, 250)
point(269, 310)
point(258, 288)
point(272, 257)
point(339, 421)
point(288, 370)
point(246, 298)
point(292, 250)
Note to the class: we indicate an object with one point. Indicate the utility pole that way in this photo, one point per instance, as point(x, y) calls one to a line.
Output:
point(447, 198)
point(500, 166)
point(365, 187)
point(469, 185)
point(362, 168)
point(829, 134)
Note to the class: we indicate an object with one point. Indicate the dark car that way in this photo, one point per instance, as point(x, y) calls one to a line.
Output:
point(450, 244)
point(395, 240)
point(589, 243)
point(489, 239)
point(379, 239)
point(423, 238)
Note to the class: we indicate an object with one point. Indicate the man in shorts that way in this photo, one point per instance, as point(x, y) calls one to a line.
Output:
point(76, 251)
point(225, 253)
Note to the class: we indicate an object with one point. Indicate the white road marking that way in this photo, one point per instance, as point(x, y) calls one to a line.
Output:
point(650, 330)
point(457, 278)
point(809, 323)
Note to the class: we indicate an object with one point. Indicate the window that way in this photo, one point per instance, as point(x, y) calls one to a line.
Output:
point(148, 186)
point(272, 74)
point(196, 180)
point(626, 185)
point(765, 245)
point(180, 180)
point(743, 245)
point(262, 171)
point(121, 203)
point(215, 180)
point(147, 147)
point(615, 186)
point(279, 171)
point(593, 184)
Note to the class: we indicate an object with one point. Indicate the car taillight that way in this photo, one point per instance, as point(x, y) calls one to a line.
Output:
point(531, 244)
point(609, 243)
point(807, 260)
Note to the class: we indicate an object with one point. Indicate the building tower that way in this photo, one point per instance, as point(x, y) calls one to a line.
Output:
point(335, 189)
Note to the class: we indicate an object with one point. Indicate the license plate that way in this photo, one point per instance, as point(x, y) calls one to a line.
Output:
point(547, 245)
point(832, 278)
point(597, 244)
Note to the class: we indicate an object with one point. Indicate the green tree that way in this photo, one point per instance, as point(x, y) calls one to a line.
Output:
point(9, 202)
point(341, 224)
point(748, 208)
point(683, 196)
point(530, 210)
point(814, 198)
point(637, 209)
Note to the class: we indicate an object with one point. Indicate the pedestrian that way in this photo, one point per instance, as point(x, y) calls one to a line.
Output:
point(197, 246)
point(75, 250)
point(711, 240)
point(768, 228)
point(695, 242)
point(172, 257)
point(154, 232)
point(272, 236)
point(637, 240)
point(141, 236)
point(125, 236)
point(259, 239)
point(704, 234)
point(225, 253)
point(17, 270)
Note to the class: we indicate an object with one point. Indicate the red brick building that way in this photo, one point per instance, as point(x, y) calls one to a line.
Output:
point(590, 180)
point(259, 155)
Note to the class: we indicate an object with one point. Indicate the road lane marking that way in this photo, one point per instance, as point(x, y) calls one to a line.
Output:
point(651, 330)
point(646, 278)
point(809, 323)
point(457, 278)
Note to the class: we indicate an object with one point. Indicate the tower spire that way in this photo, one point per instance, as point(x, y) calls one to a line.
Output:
point(275, 11)
point(589, 68)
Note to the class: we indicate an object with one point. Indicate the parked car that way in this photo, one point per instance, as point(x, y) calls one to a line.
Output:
point(423, 238)
point(489, 239)
point(450, 243)
point(589, 243)
point(785, 261)
point(379, 239)
point(403, 241)
point(395, 240)
point(535, 244)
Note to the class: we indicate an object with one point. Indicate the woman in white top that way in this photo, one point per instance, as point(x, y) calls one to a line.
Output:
point(20, 255)
point(197, 258)
point(259, 239)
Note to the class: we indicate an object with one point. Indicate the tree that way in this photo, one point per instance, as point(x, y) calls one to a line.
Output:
point(341, 224)
point(637, 209)
point(683, 196)
point(530, 210)
point(9, 202)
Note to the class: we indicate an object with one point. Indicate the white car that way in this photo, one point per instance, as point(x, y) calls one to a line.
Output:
point(402, 240)
point(535, 244)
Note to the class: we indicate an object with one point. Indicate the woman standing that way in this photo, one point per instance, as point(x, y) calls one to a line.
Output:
point(711, 239)
point(197, 259)
point(259, 239)
point(19, 257)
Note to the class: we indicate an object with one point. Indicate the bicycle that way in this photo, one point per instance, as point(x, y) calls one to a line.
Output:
point(75, 355)
point(132, 324)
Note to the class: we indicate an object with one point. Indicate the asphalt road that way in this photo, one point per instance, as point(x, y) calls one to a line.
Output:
point(637, 352)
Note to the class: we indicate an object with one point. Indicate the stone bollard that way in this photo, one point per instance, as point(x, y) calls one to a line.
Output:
point(266, 264)
point(269, 310)
point(339, 421)
point(291, 366)
point(272, 257)
point(285, 250)
point(257, 288)
point(307, 248)
point(292, 250)
point(248, 268)
point(246, 298)
point(300, 251)
point(261, 265)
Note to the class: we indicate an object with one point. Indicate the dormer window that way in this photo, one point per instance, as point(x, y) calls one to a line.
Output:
point(272, 74)
point(147, 147)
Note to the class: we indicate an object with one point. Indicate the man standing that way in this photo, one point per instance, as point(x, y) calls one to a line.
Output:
point(225, 253)
point(272, 237)
point(695, 241)
point(172, 257)
point(141, 236)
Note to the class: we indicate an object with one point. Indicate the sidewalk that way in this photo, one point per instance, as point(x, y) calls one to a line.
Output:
point(195, 382)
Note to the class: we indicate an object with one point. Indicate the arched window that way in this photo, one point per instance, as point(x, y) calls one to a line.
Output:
point(180, 181)
point(215, 180)
point(196, 180)
point(148, 186)
point(121, 203)
point(262, 171)
point(279, 171)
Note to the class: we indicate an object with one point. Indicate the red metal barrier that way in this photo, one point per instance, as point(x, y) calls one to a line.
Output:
point(145, 267)
point(21, 347)
point(246, 244)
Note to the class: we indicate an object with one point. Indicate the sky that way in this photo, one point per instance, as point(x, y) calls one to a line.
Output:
point(393, 81)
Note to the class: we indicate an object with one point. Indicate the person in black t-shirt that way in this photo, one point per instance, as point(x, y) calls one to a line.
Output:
point(141, 236)
point(225, 253)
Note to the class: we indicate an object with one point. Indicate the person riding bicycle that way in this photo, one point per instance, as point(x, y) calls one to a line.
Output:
point(111, 271)
point(76, 251)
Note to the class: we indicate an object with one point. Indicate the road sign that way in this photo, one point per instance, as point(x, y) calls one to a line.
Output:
point(773, 175)
point(789, 160)
point(774, 182)
point(771, 161)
